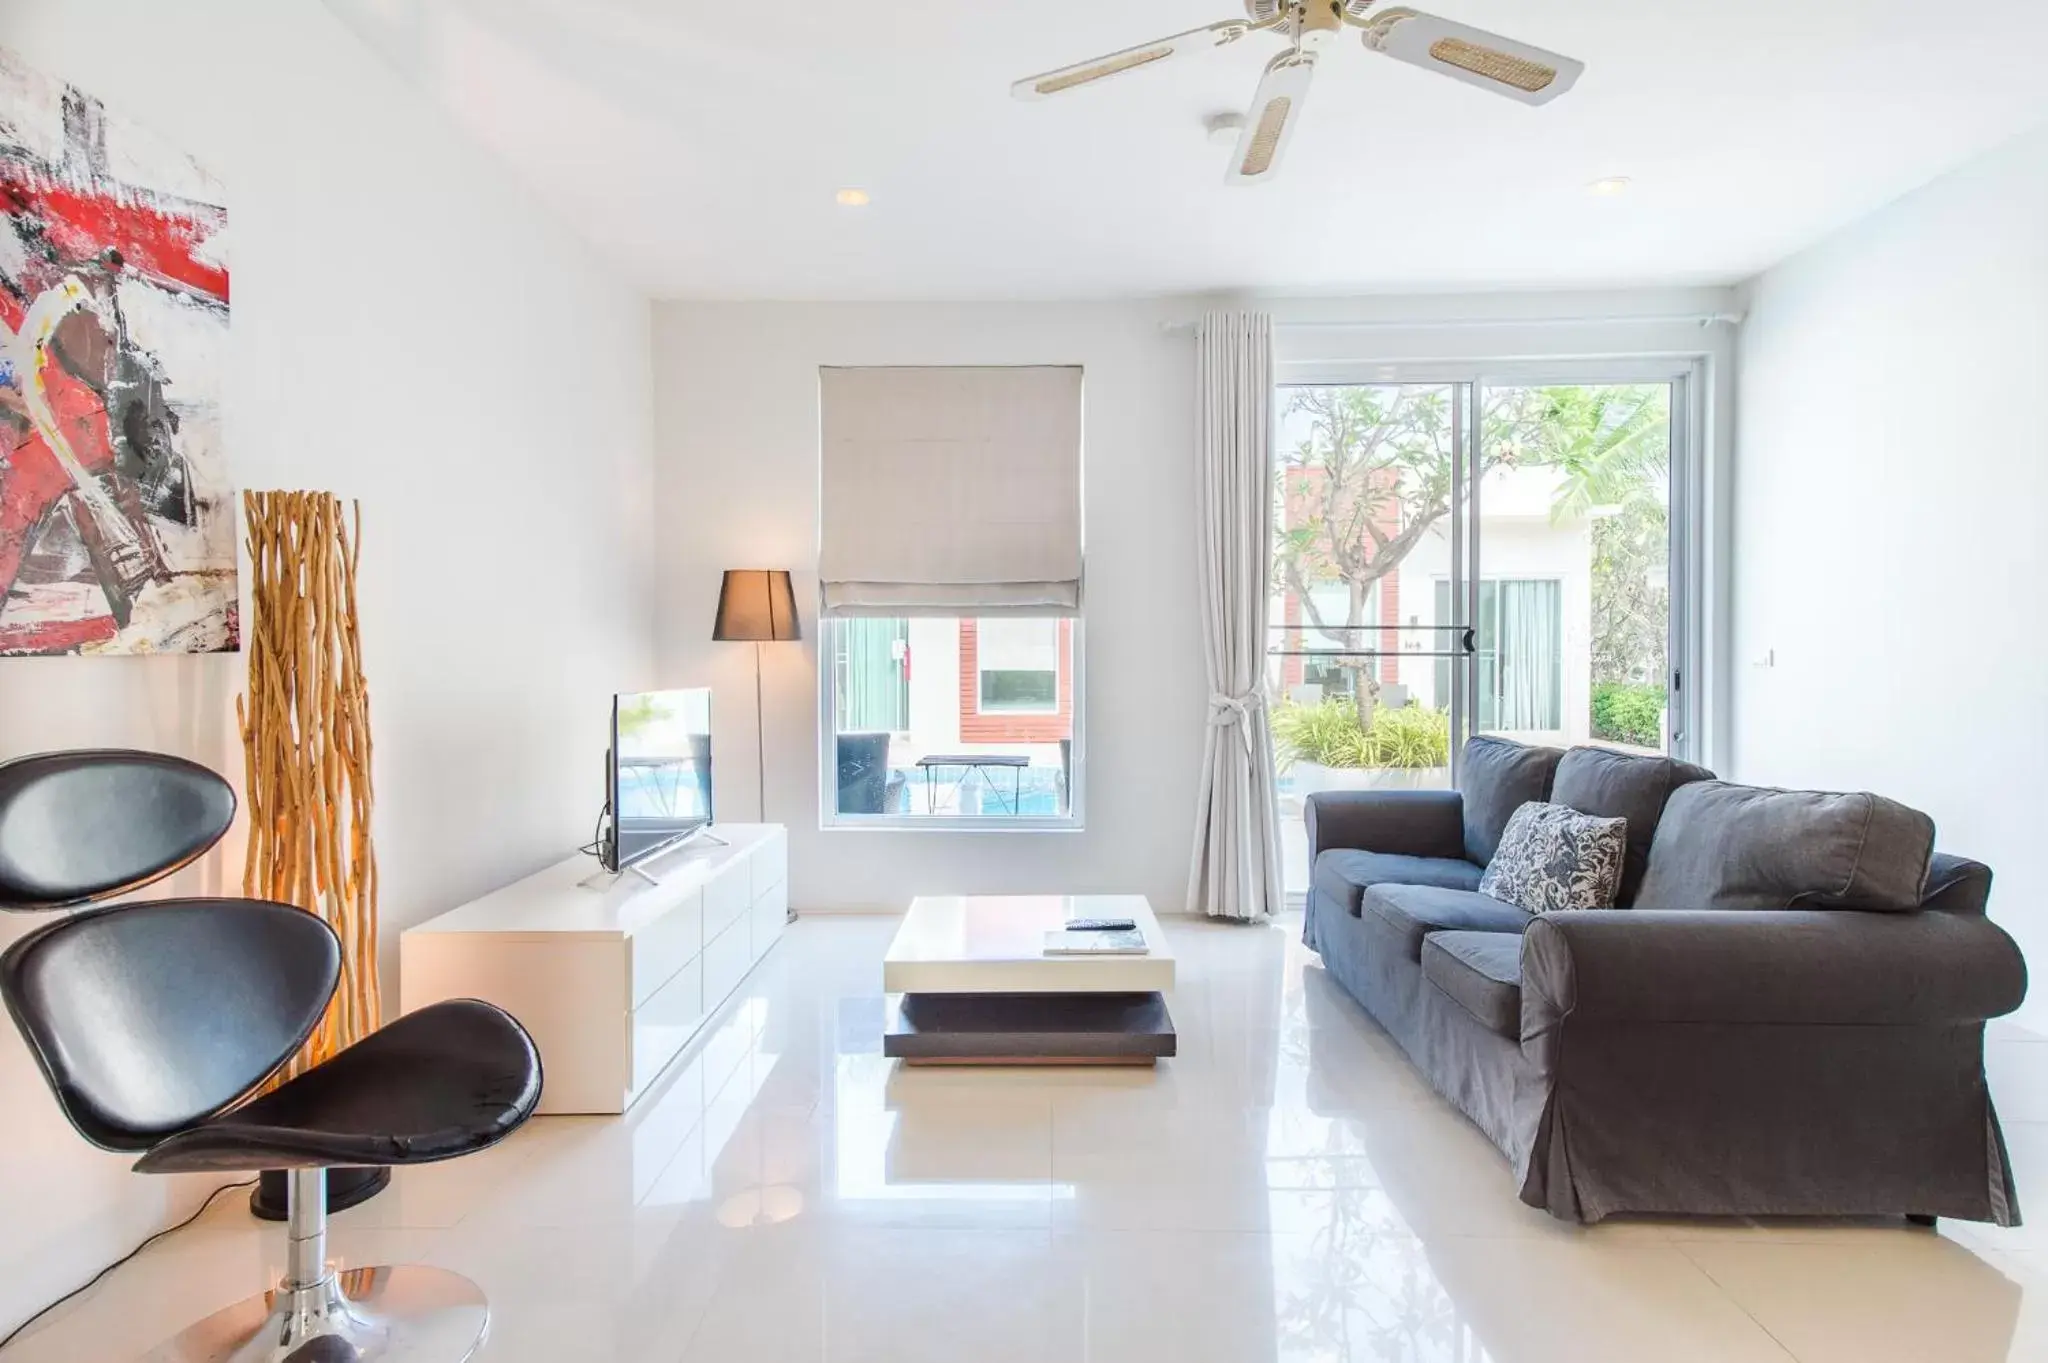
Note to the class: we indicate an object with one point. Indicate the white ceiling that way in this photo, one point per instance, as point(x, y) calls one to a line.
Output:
point(699, 144)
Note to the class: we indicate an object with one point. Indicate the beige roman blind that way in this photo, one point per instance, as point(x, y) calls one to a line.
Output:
point(951, 491)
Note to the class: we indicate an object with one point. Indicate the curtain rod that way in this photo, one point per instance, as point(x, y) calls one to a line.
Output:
point(1699, 319)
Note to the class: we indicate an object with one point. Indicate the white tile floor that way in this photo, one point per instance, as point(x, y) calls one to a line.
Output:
point(1286, 1189)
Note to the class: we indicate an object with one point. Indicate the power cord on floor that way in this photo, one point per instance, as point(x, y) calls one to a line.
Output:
point(15, 1333)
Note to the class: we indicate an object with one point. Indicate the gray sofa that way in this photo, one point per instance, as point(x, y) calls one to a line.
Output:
point(1785, 1016)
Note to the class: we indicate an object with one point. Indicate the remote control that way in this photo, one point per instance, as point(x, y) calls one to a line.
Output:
point(1101, 924)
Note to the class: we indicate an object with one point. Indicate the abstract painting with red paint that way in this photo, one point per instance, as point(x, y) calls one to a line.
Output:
point(117, 523)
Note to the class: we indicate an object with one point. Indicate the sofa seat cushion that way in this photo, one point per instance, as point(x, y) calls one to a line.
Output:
point(1725, 846)
point(1409, 913)
point(1343, 874)
point(1481, 972)
point(1620, 785)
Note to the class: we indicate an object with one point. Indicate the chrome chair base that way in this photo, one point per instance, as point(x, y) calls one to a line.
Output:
point(406, 1314)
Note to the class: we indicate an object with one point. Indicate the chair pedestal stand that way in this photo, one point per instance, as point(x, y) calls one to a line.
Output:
point(408, 1314)
point(271, 1198)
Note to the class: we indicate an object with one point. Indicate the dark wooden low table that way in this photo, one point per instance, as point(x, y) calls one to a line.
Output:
point(975, 986)
point(1030, 1029)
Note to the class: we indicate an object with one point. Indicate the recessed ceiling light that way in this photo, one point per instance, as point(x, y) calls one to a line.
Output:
point(1610, 186)
point(851, 198)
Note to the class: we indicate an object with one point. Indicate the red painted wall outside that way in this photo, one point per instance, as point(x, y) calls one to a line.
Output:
point(976, 727)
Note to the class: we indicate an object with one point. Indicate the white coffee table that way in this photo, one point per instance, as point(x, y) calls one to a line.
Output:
point(978, 989)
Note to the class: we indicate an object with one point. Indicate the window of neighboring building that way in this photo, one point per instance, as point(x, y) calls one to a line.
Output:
point(1518, 639)
point(1325, 657)
point(1017, 667)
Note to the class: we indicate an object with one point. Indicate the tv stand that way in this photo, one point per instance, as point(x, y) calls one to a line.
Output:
point(614, 982)
point(604, 881)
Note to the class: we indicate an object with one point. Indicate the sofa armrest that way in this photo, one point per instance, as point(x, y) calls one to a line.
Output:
point(1956, 885)
point(1791, 966)
point(1409, 823)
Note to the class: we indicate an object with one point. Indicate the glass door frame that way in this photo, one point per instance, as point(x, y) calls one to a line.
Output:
point(1687, 375)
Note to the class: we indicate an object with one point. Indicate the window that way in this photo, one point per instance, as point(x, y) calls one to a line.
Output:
point(1017, 666)
point(1519, 643)
point(1328, 666)
point(950, 580)
point(939, 721)
point(950, 577)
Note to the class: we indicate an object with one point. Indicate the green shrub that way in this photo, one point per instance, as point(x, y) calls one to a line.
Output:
point(1329, 735)
point(1629, 712)
point(1410, 737)
point(1326, 734)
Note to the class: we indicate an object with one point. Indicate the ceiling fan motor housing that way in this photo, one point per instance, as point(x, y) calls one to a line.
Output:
point(1259, 11)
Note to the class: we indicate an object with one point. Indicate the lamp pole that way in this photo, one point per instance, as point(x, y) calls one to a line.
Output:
point(760, 744)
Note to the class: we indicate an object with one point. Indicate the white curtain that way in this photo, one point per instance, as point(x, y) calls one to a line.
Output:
point(1236, 870)
point(1529, 646)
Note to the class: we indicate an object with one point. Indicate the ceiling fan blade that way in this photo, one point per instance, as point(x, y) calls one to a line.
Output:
point(1487, 60)
point(1269, 125)
point(1130, 59)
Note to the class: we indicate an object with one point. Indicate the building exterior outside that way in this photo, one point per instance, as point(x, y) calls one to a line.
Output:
point(997, 688)
point(1534, 628)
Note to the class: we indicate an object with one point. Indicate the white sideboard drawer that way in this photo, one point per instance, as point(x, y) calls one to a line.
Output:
point(615, 978)
point(770, 863)
point(726, 959)
point(664, 1024)
point(725, 900)
point(769, 916)
point(664, 946)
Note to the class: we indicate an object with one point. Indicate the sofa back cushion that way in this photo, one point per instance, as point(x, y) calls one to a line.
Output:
point(1499, 777)
point(1724, 846)
point(1619, 785)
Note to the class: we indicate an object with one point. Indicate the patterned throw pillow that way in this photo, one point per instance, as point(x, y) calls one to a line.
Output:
point(1552, 857)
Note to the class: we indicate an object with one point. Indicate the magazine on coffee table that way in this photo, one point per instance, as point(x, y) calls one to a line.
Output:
point(1131, 943)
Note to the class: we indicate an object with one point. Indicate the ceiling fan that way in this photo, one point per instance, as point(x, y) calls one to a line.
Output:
point(1502, 65)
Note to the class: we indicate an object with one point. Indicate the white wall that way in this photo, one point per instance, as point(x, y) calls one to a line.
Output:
point(1891, 475)
point(737, 478)
point(407, 329)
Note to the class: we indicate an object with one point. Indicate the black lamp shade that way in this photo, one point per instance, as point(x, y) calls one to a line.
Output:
point(756, 604)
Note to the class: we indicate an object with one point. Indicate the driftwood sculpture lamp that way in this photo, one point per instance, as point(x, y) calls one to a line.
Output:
point(306, 741)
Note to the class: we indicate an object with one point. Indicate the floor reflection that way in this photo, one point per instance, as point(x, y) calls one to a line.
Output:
point(1286, 1190)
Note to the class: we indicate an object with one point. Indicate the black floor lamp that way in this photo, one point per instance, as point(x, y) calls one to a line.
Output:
point(757, 606)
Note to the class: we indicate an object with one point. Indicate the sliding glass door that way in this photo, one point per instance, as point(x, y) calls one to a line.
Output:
point(1462, 557)
point(1367, 494)
point(1572, 563)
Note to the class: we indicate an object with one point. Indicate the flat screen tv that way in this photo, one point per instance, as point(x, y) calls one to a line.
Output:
point(658, 772)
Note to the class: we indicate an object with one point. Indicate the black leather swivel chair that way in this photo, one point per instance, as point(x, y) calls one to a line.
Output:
point(151, 1020)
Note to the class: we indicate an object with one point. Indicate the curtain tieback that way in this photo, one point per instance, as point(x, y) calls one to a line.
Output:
point(1226, 710)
